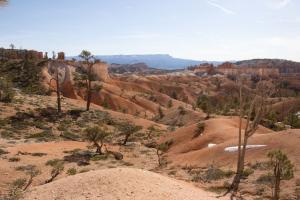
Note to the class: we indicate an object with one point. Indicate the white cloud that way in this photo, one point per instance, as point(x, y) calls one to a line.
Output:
point(222, 8)
point(278, 4)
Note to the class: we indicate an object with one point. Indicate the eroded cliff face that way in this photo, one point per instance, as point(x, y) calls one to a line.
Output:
point(65, 71)
point(136, 95)
point(228, 68)
point(101, 70)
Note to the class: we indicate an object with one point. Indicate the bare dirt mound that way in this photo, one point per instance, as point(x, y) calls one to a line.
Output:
point(190, 149)
point(118, 183)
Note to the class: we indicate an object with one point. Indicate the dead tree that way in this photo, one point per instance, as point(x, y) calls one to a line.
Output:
point(254, 107)
point(56, 170)
point(33, 172)
point(57, 71)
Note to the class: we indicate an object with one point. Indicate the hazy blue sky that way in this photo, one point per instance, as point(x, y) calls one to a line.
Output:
point(197, 29)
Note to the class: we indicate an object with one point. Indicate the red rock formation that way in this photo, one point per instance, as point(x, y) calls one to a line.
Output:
point(60, 55)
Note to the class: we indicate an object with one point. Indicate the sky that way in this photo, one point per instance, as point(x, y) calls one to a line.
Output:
point(215, 30)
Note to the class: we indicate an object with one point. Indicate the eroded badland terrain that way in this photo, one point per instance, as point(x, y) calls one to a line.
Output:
point(159, 134)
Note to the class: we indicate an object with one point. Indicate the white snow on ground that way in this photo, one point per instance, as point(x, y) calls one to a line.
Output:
point(211, 145)
point(235, 148)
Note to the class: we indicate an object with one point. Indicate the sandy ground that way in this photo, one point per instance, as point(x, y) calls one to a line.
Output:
point(118, 183)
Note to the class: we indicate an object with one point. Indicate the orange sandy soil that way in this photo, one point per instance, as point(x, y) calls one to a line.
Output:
point(193, 153)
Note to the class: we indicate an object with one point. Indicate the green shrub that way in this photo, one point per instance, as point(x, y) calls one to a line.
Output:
point(44, 135)
point(53, 162)
point(247, 172)
point(6, 90)
point(211, 174)
point(64, 125)
point(39, 124)
point(72, 171)
point(99, 157)
point(261, 166)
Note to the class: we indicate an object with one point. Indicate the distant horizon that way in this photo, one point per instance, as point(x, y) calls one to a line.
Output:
point(153, 54)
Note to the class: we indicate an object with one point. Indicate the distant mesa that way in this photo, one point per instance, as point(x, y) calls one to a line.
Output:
point(20, 54)
point(159, 61)
point(259, 67)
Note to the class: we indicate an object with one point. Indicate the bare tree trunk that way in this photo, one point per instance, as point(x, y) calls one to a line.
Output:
point(277, 183)
point(28, 183)
point(89, 95)
point(89, 88)
point(58, 92)
point(236, 180)
point(99, 148)
point(126, 139)
point(158, 156)
point(52, 177)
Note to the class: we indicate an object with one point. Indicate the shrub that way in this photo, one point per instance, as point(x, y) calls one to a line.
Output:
point(70, 136)
point(128, 130)
point(2, 152)
point(174, 95)
point(75, 113)
point(170, 104)
point(161, 149)
point(247, 172)
point(211, 174)
point(39, 124)
point(53, 162)
point(72, 171)
point(181, 110)
point(217, 189)
point(38, 154)
point(25, 167)
point(14, 159)
point(57, 168)
point(44, 135)
point(199, 129)
point(7, 134)
point(160, 113)
point(6, 91)
point(261, 165)
point(283, 169)
point(97, 135)
point(99, 157)
point(15, 190)
point(266, 179)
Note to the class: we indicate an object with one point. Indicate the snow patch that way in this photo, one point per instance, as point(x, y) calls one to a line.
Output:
point(211, 145)
point(235, 148)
